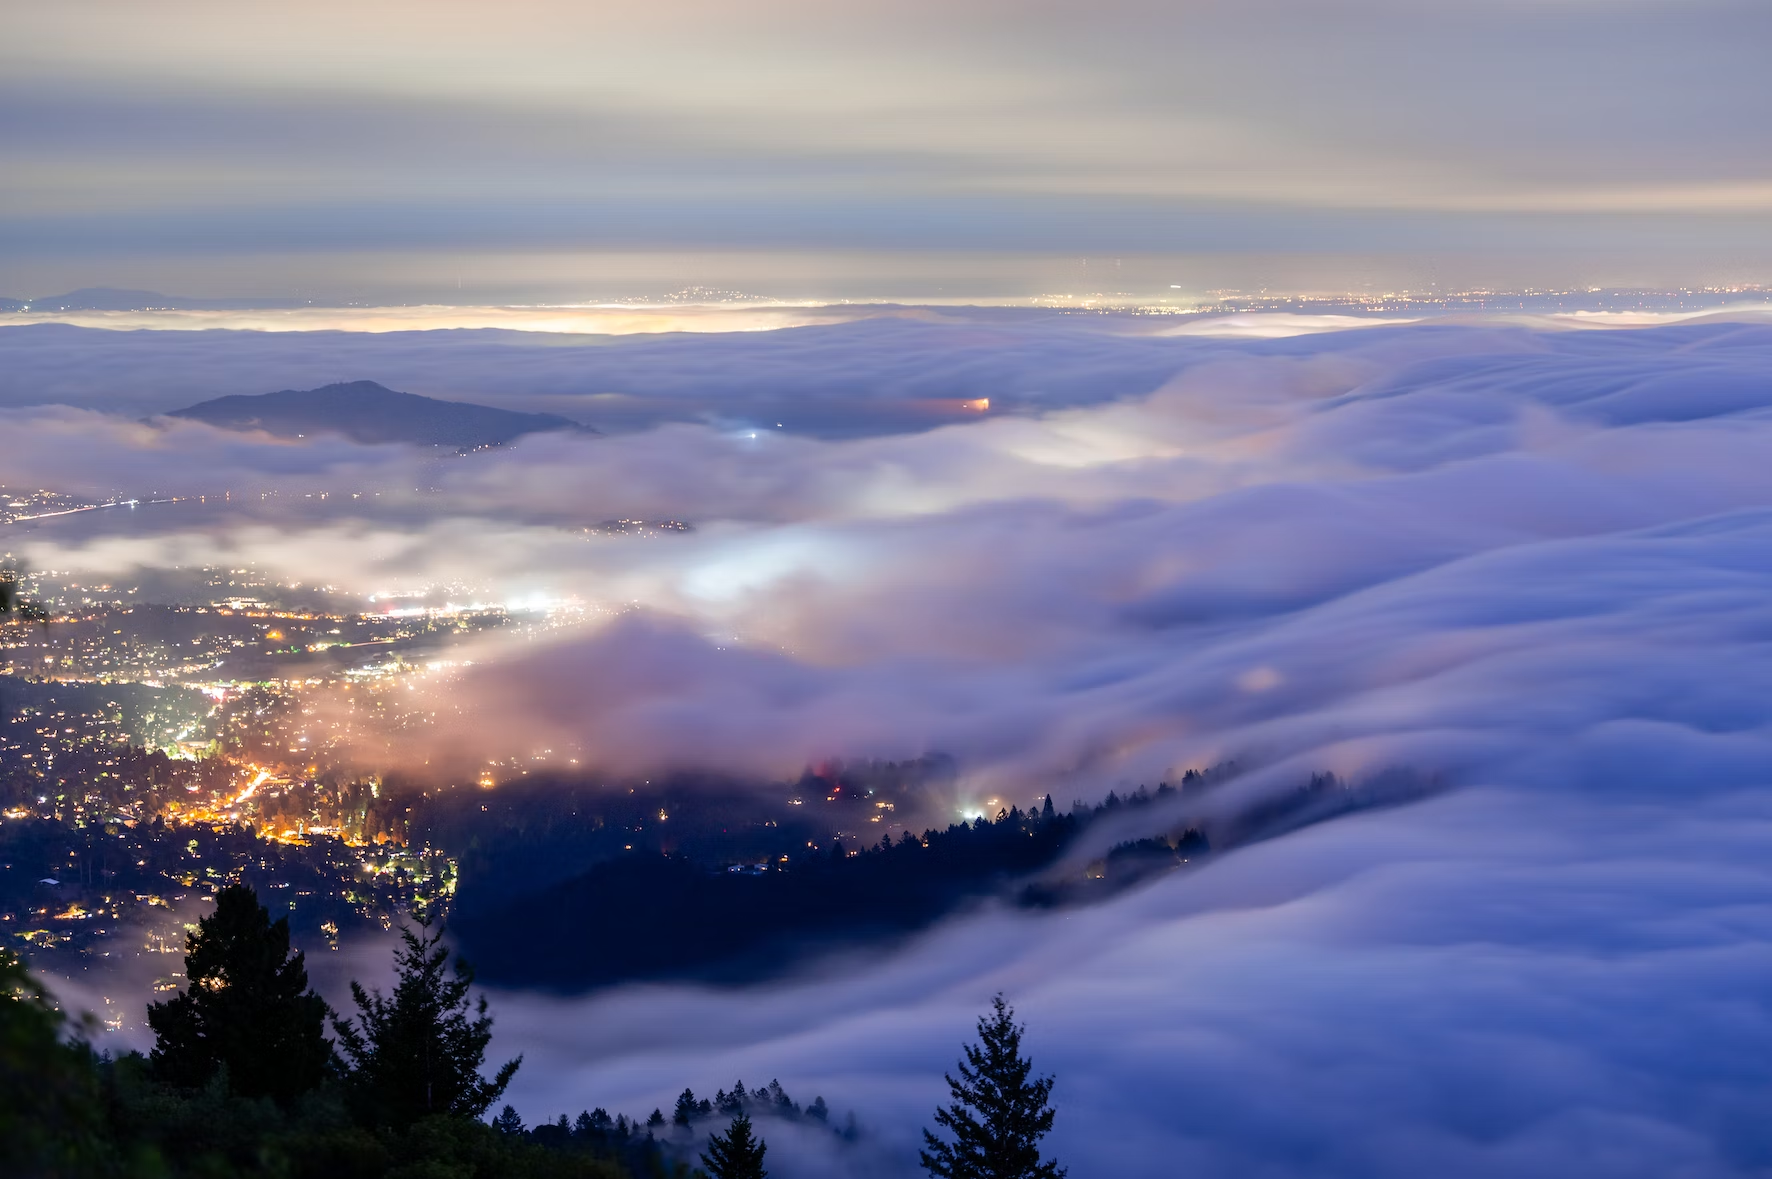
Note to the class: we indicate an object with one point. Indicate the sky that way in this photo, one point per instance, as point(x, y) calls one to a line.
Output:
point(1524, 562)
point(562, 151)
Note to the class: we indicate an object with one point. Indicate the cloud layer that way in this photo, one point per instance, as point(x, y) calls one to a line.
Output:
point(1534, 564)
point(1126, 98)
point(196, 133)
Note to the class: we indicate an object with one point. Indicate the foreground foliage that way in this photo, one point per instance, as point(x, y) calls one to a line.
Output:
point(405, 1100)
point(52, 1116)
point(242, 1081)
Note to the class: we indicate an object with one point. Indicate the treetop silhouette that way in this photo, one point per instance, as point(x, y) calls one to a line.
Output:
point(247, 1010)
point(737, 1154)
point(998, 1114)
point(417, 1052)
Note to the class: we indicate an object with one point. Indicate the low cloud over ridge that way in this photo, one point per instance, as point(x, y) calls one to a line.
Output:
point(1535, 564)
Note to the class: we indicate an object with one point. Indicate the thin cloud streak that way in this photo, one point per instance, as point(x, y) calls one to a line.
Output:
point(1591, 141)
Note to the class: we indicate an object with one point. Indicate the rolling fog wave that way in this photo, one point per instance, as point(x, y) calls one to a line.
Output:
point(1534, 565)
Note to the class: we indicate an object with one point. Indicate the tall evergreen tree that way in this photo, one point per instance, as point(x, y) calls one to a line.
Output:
point(735, 1154)
point(998, 1115)
point(248, 1007)
point(417, 1052)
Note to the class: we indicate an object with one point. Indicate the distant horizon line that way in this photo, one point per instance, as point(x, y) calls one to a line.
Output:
point(100, 299)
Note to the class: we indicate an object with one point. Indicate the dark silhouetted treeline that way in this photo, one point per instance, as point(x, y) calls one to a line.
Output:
point(651, 915)
point(668, 1139)
point(244, 1081)
point(537, 830)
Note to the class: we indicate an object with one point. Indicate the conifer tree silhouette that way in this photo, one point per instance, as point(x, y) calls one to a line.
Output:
point(417, 1052)
point(686, 1110)
point(248, 1008)
point(998, 1115)
point(736, 1154)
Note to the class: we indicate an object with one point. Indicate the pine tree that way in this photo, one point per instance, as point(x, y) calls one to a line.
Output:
point(684, 1115)
point(736, 1154)
point(417, 1052)
point(998, 1115)
point(508, 1122)
point(248, 1008)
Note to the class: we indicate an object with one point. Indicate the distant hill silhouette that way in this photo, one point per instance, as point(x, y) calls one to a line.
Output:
point(105, 299)
point(367, 412)
point(117, 299)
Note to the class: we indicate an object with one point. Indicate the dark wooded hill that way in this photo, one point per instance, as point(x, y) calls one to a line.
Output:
point(650, 912)
point(370, 413)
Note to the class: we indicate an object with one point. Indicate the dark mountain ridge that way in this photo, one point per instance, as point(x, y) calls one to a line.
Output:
point(120, 299)
point(367, 412)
